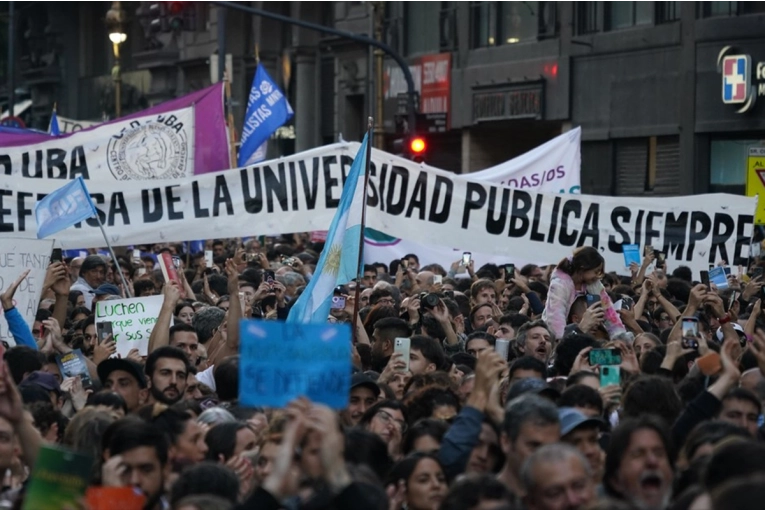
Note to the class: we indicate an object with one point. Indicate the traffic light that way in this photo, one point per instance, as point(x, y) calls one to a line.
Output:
point(413, 147)
point(176, 10)
point(167, 16)
point(417, 148)
point(157, 17)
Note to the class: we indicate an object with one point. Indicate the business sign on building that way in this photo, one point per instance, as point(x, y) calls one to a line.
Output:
point(522, 101)
point(742, 80)
point(432, 82)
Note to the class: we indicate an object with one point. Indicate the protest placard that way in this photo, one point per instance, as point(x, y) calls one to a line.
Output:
point(16, 256)
point(132, 321)
point(282, 361)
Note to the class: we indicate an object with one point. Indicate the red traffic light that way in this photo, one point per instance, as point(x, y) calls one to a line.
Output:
point(417, 145)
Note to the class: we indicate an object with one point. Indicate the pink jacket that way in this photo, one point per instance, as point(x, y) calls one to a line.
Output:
point(561, 296)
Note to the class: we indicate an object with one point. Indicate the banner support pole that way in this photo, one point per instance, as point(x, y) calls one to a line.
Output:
point(360, 267)
point(114, 257)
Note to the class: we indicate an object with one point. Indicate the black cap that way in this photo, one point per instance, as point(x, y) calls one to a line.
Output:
point(532, 385)
point(108, 366)
point(363, 380)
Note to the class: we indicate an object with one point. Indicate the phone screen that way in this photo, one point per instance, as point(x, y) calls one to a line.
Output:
point(733, 299)
point(502, 347)
point(466, 258)
point(103, 330)
point(592, 299)
point(690, 333)
point(605, 357)
point(660, 256)
point(338, 303)
point(56, 256)
point(757, 272)
point(208, 259)
point(402, 345)
point(437, 279)
point(705, 279)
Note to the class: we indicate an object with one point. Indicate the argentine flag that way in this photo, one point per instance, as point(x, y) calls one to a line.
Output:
point(339, 261)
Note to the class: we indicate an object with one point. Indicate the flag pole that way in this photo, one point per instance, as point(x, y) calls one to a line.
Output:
point(230, 120)
point(114, 257)
point(360, 268)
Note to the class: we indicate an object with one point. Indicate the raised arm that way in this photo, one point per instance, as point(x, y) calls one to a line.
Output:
point(160, 335)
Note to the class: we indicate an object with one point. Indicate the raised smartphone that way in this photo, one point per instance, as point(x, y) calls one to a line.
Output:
point(403, 346)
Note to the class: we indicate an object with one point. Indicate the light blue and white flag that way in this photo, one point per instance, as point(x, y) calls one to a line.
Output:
point(53, 128)
point(339, 261)
point(67, 206)
point(267, 111)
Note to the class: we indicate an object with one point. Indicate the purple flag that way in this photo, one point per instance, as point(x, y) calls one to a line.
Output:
point(211, 152)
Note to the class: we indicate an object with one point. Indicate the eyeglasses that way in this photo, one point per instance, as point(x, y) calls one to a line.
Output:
point(386, 301)
point(388, 420)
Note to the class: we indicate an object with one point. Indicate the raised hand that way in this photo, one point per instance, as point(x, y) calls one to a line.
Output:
point(104, 350)
point(7, 297)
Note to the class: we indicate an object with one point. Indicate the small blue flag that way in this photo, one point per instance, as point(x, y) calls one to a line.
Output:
point(67, 206)
point(53, 127)
point(267, 111)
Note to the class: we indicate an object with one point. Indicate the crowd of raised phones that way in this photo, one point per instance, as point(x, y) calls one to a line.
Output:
point(474, 386)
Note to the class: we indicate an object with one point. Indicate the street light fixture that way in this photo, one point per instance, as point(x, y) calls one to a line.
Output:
point(115, 19)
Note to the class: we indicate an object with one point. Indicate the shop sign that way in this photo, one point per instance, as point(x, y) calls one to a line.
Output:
point(742, 81)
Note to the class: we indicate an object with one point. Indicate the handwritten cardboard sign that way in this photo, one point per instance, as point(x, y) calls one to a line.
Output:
point(282, 361)
point(132, 321)
point(16, 256)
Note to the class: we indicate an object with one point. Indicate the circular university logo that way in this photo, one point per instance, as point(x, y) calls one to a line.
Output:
point(151, 151)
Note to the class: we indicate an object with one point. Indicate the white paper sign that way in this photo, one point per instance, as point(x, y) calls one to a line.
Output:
point(132, 321)
point(16, 256)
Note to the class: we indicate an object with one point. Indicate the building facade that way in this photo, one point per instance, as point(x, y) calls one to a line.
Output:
point(644, 80)
point(670, 95)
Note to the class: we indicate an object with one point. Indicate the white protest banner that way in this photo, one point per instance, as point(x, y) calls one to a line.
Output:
point(300, 194)
point(132, 321)
point(553, 167)
point(16, 256)
point(156, 146)
point(66, 125)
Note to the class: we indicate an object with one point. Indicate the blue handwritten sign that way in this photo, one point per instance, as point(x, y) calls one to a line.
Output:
point(280, 362)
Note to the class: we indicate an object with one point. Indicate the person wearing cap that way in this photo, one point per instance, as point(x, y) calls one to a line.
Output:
point(583, 432)
point(105, 291)
point(364, 393)
point(40, 383)
point(126, 378)
point(92, 276)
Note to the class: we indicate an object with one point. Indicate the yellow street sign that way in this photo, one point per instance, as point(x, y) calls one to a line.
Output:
point(755, 181)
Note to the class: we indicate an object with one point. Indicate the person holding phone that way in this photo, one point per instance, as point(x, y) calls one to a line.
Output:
point(576, 275)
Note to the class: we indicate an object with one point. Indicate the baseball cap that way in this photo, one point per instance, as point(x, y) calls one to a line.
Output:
point(108, 366)
point(42, 379)
point(571, 419)
point(736, 326)
point(362, 380)
point(107, 289)
point(532, 385)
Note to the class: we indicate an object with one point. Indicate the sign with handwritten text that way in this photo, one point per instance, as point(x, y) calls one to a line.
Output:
point(280, 362)
point(16, 256)
point(132, 321)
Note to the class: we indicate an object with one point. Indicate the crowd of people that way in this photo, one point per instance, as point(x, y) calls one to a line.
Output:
point(554, 387)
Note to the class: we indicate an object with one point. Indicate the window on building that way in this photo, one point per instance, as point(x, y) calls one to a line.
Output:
point(497, 23)
point(647, 166)
point(620, 15)
point(586, 15)
point(667, 12)
point(422, 32)
point(447, 21)
point(714, 9)
point(728, 164)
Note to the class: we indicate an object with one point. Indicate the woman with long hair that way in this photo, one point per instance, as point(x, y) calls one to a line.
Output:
point(575, 276)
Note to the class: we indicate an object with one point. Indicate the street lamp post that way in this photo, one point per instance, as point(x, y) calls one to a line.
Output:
point(115, 19)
